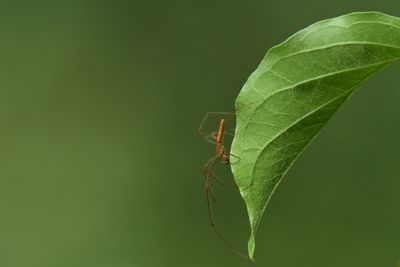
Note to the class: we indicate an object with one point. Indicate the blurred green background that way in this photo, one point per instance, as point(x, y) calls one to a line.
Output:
point(100, 158)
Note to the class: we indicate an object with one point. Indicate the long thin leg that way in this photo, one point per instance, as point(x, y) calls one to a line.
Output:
point(207, 192)
point(230, 132)
point(212, 194)
point(211, 139)
point(207, 195)
point(214, 200)
point(218, 180)
point(200, 130)
point(208, 175)
point(226, 184)
point(208, 169)
point(236, 217)
point(233, 156)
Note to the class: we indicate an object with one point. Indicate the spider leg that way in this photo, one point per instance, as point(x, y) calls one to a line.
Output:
point(213, 227)
point(200, 130)
point(230, 132)
point(218, 180)
point(208, 194)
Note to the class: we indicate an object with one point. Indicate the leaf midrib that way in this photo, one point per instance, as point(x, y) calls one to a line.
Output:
point(308, 114)
point(330, 46)
point(306, 33)
point(320, 77)
point(296, 122)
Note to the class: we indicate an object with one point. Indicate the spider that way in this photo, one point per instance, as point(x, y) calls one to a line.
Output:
point(221, 155)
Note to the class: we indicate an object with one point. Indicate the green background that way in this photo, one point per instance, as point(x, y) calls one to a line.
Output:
point(100, 161)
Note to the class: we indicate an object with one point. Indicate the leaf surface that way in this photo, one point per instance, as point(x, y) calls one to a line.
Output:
point(295, 90)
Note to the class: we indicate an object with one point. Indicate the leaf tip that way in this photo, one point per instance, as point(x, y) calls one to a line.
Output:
point(251, 246)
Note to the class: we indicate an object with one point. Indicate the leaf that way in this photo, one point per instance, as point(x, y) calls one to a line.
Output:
point(295, 90)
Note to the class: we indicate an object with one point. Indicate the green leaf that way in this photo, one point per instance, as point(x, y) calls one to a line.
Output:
point(295, 90)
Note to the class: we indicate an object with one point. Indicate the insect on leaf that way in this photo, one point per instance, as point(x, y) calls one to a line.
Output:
point(295, 90)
